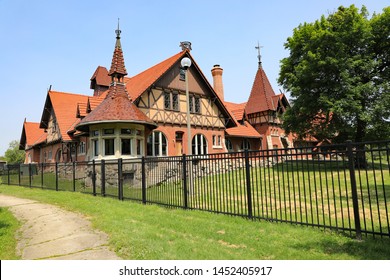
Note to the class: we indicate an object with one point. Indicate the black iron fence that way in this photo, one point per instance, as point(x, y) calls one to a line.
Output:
point(343, 187)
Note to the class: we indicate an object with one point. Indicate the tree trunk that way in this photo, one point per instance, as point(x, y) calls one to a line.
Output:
point(360, 159)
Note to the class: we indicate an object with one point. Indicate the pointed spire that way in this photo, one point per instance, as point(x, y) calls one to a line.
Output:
point(258, 47)
point(118, 69)
point(118, 37)
point(262, 94)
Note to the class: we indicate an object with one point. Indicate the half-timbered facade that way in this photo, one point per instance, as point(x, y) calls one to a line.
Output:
point(145, 115)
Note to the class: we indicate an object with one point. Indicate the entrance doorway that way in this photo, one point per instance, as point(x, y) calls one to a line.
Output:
point(179, 142)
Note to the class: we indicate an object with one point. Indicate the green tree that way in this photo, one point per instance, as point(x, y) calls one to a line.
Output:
point(13, 155)
point(338, 76)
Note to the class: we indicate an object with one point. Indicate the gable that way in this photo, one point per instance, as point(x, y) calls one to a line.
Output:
point(31, 135)
point(60, 114)
point(166, 75)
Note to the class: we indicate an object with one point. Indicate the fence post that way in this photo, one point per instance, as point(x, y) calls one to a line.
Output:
point(103, 176)
point(9, 179)
point(93, 178)
point(42, 175)
point(19, 170)
point(185, 186)
point(29, 175)
point(248, 183)
point(143, 180)
point(355, 201)
point(120, 179)
point(74, 176)
point(56, 176)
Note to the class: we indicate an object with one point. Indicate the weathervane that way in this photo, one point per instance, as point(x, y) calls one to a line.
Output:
point(258, 47)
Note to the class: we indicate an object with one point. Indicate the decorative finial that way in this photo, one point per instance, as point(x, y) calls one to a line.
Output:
point(185, 45)
point(258, 47)
point(118, 31)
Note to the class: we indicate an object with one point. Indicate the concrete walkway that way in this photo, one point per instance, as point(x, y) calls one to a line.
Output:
point(49, 232)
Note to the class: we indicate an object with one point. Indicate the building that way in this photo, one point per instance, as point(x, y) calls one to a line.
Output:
point(145, 115)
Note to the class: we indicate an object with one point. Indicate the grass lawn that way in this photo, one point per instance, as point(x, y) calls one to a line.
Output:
point(152, 232)
point(8, 228)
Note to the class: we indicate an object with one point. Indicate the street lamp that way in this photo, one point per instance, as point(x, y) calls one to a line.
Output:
point(185, 64)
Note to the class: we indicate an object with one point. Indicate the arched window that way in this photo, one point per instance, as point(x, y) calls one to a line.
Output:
point(58, 156)
point(199, 145)
point(157, 144)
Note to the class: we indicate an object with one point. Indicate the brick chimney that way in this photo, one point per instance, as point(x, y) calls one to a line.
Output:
point(217, 80)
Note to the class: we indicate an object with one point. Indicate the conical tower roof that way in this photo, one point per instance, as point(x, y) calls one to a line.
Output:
point(262, 94)
point(117, 107)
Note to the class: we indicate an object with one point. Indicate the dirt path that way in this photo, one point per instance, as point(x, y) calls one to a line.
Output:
point(49, 232)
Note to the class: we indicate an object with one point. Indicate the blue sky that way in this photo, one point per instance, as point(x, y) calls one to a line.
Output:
point(60, 43)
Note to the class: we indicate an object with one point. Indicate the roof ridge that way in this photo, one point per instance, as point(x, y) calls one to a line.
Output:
point(69, 93)
point(159, 63)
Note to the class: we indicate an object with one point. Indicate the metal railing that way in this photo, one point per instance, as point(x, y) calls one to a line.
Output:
point(342, 187)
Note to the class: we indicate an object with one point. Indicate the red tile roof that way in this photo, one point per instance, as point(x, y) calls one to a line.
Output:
point(237, 109)
point(139, 83)
point(246, 131)
point(101, 77)
point(64, 106)
point(32, 135)
point(116, 107)
point(261, 97)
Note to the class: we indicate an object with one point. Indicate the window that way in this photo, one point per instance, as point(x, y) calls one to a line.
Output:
point(50, 155)
point(73, 149)
point(126, 131)
point(95, 144)
point(199, 145)
point(139, 150)
point(194, 104)
point(217, 140)
point(167, 100)
point(157, 144)
point(229, 145)
point(175, 101)
point(179, 135)
point(108, 131)
point(82, 148)
point(109, 149)
point(126, 146)
point(171, 100)
point(58, 156)
point(95, 133)
point(197, 105)
point(245, 145)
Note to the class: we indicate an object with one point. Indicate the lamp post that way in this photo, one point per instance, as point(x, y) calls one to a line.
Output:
point(186, 63)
